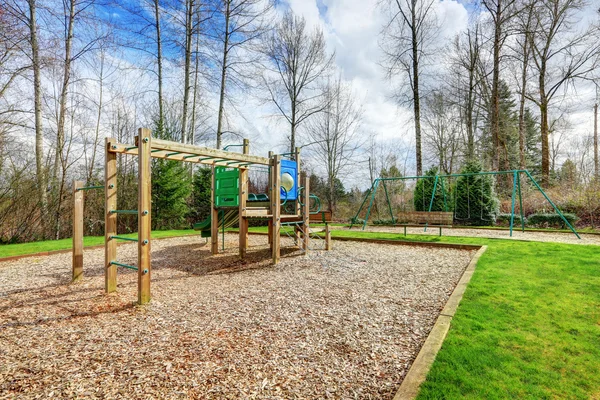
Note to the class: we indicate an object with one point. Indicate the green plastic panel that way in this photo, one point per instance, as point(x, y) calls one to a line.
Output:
point(227, 184)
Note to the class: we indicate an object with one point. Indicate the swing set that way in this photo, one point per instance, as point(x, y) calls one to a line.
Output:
point(445, 218)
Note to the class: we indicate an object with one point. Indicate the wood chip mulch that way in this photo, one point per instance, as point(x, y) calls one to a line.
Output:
point(340, 324)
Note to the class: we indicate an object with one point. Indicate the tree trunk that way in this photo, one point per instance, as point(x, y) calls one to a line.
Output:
point(495, 112)
point(90, 173)
point(416, 98)
point(596, 162)
point(39, 133)
point(223, 76)
point(189, 21)
point(161, 120)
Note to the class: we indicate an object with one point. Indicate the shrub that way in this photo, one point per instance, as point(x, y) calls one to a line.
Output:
point(424, 189)
point(544, 220)
point(475, 200)
point(503, 219)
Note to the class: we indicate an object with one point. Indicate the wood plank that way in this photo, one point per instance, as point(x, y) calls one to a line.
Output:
point(207, 152)
point(77, 231)
point(144, 215)
point(110, 220)
point(306, 212)
point(327, 237)
point(214, 217)
point(243, 196)
point(276, 207)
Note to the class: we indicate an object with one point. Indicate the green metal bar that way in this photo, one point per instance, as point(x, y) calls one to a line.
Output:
point(512, 207)
point(192, 156)
point(375, 185)
point(123, 265)
point(401, 178)
point(124, 212)
point(362, 205)
point(130, 148)
point(224, 159)
point(90, 187)
point(432, 197)
point(173, 154)
point(444, 194)
point(234, 162)
point(206, 158)
point(521, 203)
point(389, 203)
point(232, 145)
point(156, 150)
point(123, 238)
point(552, 204)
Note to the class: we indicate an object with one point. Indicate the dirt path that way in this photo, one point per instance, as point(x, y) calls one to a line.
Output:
point(568, 238)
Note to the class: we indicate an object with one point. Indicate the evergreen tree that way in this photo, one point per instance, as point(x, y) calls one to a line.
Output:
point(171, 188)
point(533, 145)
point(424, 190)
point(475, 202)
point(201, 191)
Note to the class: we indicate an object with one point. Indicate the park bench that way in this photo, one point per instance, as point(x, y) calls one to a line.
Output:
point(421, 219)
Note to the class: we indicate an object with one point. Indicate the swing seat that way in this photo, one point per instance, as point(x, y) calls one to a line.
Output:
point(422, 219)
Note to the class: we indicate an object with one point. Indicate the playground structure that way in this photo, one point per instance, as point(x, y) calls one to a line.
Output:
point(229, 202)
point(441, 219)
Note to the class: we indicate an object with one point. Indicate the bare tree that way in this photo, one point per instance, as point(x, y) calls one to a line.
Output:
point(298, 60)
point(561, 53)
point(408, 40)
point(239, 25)
point(596, 163)
point(501, 11)
point(336, 135)
point(442, 131)
point(465, 82)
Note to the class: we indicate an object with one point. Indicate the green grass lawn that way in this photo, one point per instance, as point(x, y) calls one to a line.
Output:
point(528, 325)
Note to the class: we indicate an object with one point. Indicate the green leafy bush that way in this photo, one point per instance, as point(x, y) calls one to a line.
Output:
point(545, 220)
point(503, 219)
point(475, 201)
point(424, 190)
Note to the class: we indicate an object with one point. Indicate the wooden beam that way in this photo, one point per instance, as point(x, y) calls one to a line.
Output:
point(270, 223)
point(221, 160)
point(297, 206)
point(189, 149)
point(144, 215)
point(110, 219)
point(276, 206)
point(77, 231)
point(243, 196)
point(306, 212)
point(327, 237)
point(214, 217)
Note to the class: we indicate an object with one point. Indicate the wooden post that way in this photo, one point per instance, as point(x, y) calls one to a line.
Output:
point(110, 219)
point(144, 214)
point(276, 206)
point(270, 223)
point(327, 237)
point(243, 199)
point(306, 212)
point(214, 217)
point(77, 231)
point(298, 207)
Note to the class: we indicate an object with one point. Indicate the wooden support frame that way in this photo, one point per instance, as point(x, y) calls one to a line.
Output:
point(276, 207)
point(77, 231)
point(214, 217)
point(243, 196)
point(144, 265)
point(270, 222)
point(110, 219)
point(297, 205)
point(306, 212)
point(327, 237)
